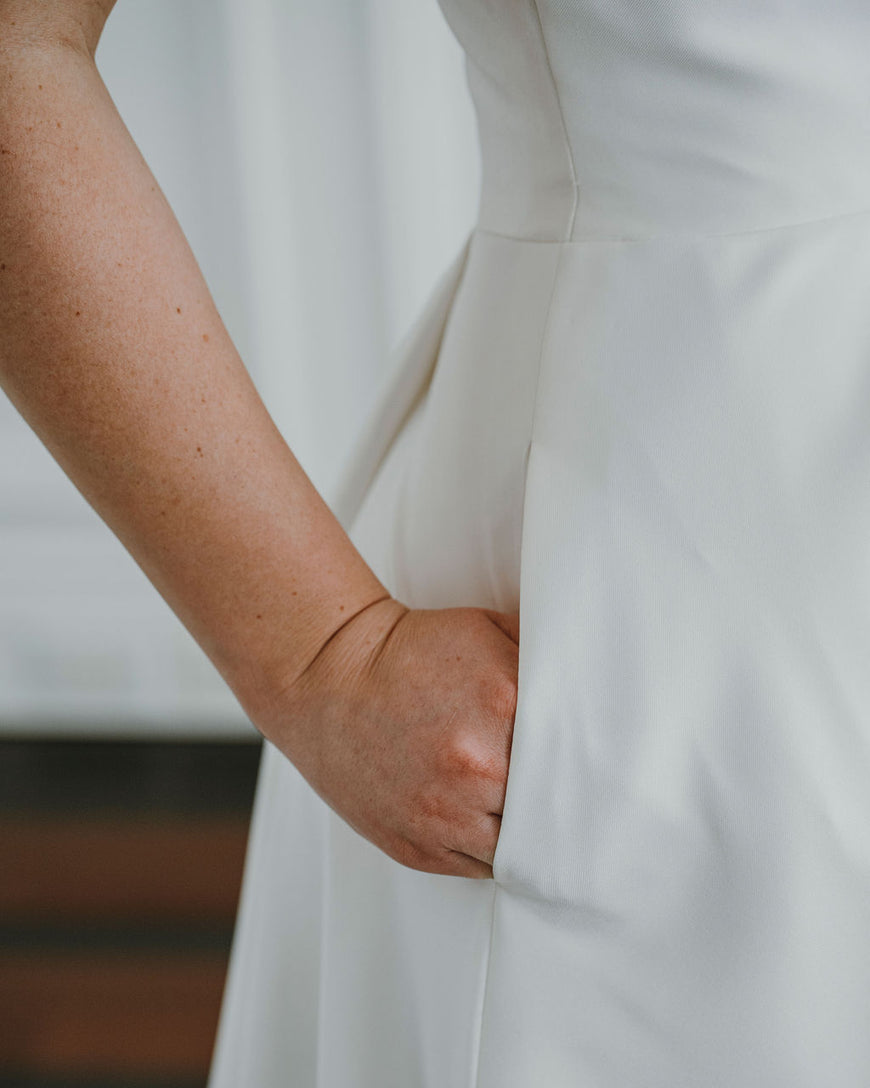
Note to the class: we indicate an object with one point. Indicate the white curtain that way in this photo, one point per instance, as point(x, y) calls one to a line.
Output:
point(322, 161)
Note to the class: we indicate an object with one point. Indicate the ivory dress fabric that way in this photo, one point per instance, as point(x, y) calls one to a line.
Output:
point(637, 408)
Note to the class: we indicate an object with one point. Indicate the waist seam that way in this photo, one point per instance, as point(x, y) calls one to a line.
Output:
point(686, 236)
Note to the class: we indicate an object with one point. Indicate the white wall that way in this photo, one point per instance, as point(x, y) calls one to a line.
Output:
point(322, 161)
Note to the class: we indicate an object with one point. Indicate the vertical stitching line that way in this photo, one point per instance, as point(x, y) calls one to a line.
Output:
point(475, 1072)
point(544, 341)
point(567, 142)
point(545, 337)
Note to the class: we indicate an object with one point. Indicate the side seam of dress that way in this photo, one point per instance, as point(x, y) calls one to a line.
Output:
point(474, 1080)
point(475, 1076)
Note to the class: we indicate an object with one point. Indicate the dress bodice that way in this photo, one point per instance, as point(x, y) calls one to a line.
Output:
point(632, 118)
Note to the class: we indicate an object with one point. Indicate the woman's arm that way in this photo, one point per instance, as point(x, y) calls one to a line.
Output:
point(112, 349)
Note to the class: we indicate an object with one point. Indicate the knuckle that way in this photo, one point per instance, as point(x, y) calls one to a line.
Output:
point(503, 697)
point(465, 757)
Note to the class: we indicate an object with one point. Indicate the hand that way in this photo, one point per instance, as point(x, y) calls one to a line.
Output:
point(403, 723)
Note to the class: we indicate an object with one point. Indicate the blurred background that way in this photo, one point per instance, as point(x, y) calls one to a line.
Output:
point(322, 161)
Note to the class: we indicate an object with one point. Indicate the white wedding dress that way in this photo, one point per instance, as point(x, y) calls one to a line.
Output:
point(637, 407)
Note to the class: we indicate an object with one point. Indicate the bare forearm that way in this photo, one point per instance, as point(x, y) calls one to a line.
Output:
point(111, 348)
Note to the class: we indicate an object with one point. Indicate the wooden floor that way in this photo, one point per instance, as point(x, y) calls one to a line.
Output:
point(120, 867)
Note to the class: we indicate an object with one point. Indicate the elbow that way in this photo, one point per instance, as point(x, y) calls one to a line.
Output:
point(72, 24)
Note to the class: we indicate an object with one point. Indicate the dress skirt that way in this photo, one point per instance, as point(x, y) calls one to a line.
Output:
point(658, 450)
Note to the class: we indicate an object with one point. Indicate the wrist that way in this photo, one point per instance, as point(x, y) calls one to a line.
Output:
point(278, 648)
point(332, 686)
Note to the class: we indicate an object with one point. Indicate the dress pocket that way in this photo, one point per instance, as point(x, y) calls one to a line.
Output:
point(541, 844)
point(510, 863)
point(502, 866)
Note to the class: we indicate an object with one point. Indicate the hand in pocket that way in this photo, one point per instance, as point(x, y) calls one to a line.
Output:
point(403, 725)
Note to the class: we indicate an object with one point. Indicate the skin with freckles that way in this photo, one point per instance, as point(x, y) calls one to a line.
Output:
point(415, 708)
point(112, 350)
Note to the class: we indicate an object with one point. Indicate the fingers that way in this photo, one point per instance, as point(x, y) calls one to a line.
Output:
point(479, 839)
point(464, 865)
